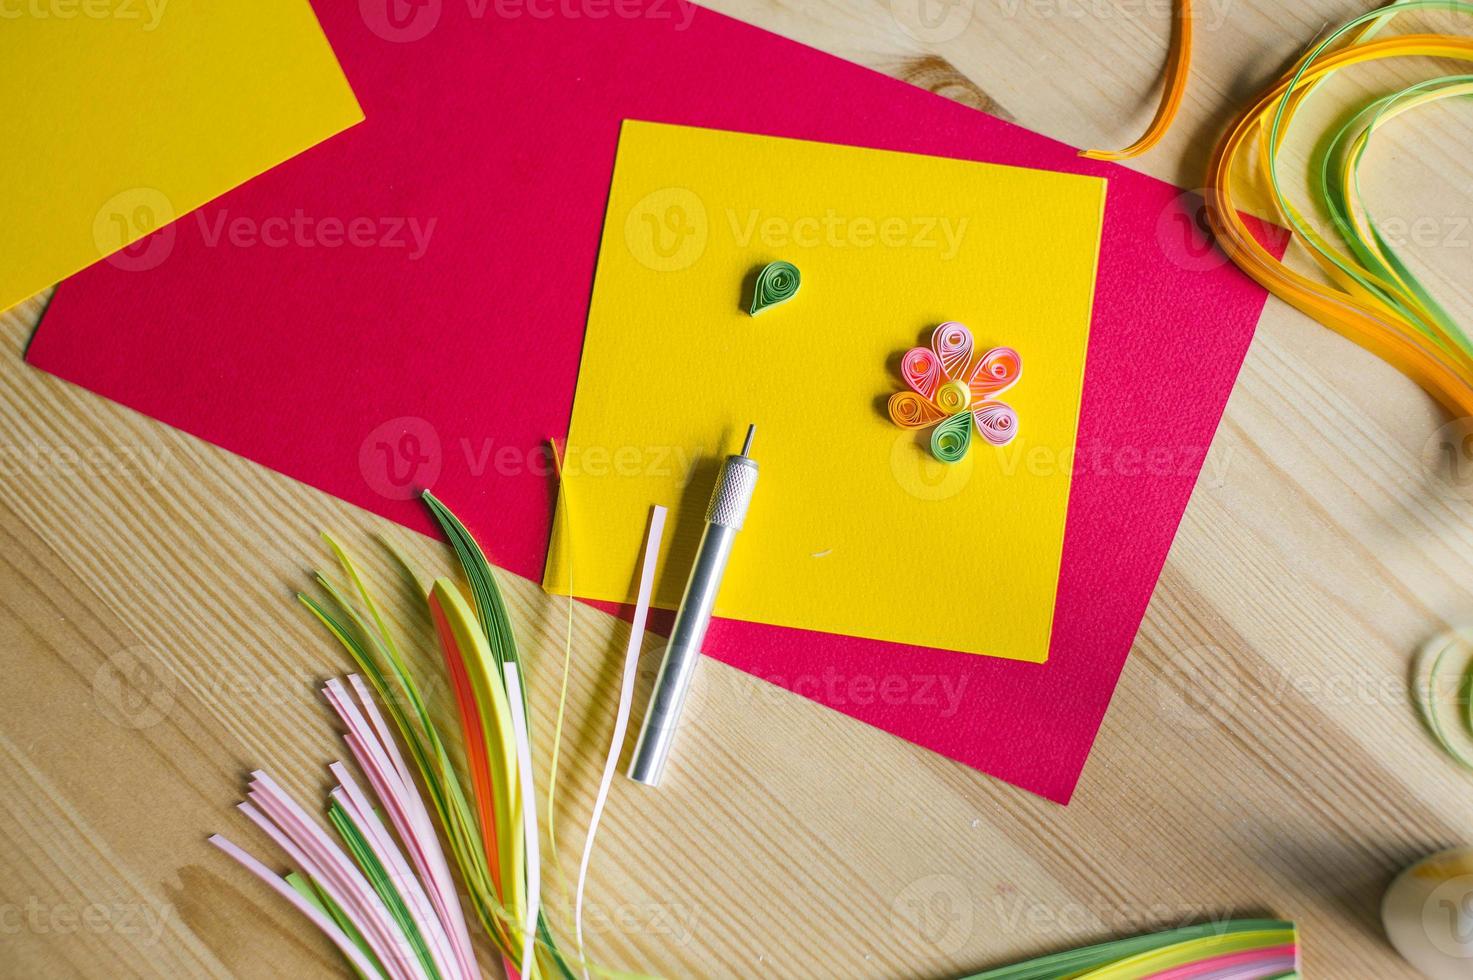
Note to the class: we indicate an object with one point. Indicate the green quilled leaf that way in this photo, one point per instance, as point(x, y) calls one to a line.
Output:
point(777, 283)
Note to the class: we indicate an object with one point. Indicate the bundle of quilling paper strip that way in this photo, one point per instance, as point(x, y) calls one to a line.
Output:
point(1241, 949)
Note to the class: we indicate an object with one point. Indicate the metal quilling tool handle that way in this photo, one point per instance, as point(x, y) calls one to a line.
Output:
point(724, 516)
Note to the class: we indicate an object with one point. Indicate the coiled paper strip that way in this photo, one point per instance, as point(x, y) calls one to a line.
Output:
point(777, 283)
point(1371, 298)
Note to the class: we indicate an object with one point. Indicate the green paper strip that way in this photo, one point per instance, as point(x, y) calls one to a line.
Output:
point(490, 606)
point(1371, 264)
point(1441, 686)
point(429, 751)
point(1379, 269)
point(368, 641)
point(304, 887)
point(1142, 966)
point(777, 283)
point(951, 439)
point(495, 622)
point(383, 884)
point(1074, 962)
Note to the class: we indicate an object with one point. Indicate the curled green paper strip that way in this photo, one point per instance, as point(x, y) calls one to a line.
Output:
point(777, 283)
point(951, 439)
point(1442, 680)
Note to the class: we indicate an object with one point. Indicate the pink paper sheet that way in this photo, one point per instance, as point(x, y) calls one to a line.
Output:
point(404, 305)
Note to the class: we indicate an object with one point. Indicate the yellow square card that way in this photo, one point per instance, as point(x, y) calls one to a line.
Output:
point(855, 528)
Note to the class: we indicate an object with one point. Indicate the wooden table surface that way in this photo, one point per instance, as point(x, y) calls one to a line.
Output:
point(1260, 755)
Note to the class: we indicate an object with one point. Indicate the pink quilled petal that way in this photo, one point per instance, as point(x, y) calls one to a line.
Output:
point(921, 369)
point(996, 422)
point(952, 343)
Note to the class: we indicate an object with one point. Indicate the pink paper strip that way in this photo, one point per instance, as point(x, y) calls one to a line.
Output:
point(278, 884)
point(403, 306)
point(1250, 964)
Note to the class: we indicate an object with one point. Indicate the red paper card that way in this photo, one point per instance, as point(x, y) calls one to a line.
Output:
point(404, 305)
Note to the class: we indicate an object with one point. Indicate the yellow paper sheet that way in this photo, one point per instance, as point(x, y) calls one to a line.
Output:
point(854, 528)
point(118, 116)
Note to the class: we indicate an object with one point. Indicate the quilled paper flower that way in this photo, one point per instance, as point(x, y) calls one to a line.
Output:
point(955, 390)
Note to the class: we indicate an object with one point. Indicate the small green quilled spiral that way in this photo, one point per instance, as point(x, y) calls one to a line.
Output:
point(950, 439)
point(776, 283)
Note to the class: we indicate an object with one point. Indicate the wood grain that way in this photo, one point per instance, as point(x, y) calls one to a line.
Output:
point(1259, 757)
